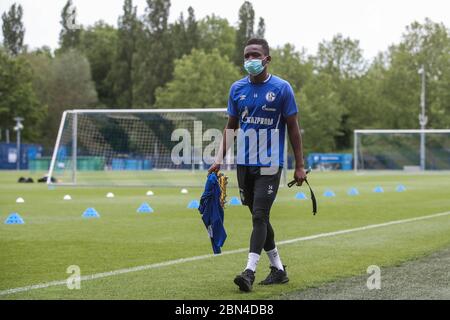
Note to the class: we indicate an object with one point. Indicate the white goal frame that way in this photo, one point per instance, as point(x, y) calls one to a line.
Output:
point(75, 112)
point(422, 132)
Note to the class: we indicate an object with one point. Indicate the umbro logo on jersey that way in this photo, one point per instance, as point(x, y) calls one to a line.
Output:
point(265, 108)
point(242, 97)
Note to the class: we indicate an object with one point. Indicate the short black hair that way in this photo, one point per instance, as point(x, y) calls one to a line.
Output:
point(261, 42)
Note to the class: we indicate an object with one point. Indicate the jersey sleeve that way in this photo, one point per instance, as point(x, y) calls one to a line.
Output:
point(232, 108)
point(289, 107)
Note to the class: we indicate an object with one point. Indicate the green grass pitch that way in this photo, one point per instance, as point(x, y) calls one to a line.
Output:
point(55, 236)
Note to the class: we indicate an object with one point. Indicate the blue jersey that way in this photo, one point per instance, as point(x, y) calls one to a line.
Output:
point(212, 213)
point(262, 109)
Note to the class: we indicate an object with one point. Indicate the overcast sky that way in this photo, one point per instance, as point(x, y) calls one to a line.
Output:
point(304, 23)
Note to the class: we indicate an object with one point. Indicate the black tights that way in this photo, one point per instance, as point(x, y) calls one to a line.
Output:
point(263, 235)
point(258, 193)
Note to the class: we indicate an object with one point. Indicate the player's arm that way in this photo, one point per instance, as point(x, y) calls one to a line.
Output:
point(231, 127)
point(296, 141)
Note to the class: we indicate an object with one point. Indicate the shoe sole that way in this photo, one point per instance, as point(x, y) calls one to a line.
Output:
point(268, 284)
point(243, 286)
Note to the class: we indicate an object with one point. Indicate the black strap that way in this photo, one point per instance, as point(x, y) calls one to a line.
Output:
point(313, 197)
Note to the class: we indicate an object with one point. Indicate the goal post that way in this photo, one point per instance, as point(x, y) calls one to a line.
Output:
point(408, 149)
point(137, 147)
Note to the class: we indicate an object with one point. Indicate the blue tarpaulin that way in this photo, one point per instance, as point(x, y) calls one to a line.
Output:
point(9, 155)
point(337, 161)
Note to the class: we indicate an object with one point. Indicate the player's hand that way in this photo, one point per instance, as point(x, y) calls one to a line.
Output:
point(215, 167)
point(299, 175)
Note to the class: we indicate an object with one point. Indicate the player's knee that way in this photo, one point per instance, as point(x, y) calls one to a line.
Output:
point(260, 217)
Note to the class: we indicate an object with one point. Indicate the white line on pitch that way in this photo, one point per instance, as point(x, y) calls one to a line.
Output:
point(207, 256)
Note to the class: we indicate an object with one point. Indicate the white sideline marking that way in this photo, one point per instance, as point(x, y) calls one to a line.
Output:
point(207, 256)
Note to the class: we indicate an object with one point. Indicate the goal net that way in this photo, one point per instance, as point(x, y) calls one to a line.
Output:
point(151, 147)
point(409, 150)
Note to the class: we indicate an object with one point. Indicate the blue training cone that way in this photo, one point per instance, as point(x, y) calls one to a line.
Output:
point(400, 188)
point(14, 218)
point(235, 201)
point(353, 192)
point(329, 193)
point(300, 196)
point(378, 189)
point(90, 213)
point(194, 204)
point(145, 208)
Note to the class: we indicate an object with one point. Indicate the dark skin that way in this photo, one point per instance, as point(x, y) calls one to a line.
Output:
point(255, 51)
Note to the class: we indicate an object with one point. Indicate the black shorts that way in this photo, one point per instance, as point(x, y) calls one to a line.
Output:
point(256, 189)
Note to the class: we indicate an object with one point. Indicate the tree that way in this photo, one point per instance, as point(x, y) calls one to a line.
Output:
point(44, 50)
point(244, 31)
point(13, 30)
point(121, 74)
point(67, 85)
point(98, 43)
point(426, 44)
point(178, 36)
point(200, 80)
point(40, 61)
point(70, 34)
point(216, 33)
point(192, 33)
point(154, 56)
point(291, 65)
point(71, 84)
point(261, 29)
point(185, 34)
point(368, 107)
point(341, 57)
point(320, 114)
point(17, 96)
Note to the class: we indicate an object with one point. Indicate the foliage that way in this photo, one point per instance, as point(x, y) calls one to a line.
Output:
point(13, 30)
point(98, 44)
point(17, 97)
point(216, 33)
point(200, 80)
